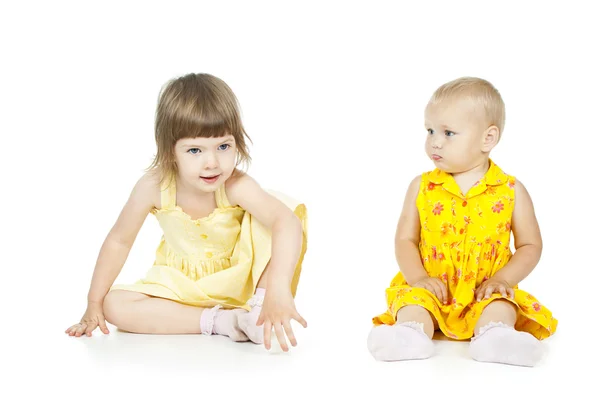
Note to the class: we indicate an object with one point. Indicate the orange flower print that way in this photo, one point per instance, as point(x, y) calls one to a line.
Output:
point(536, 307)
point(456, 277)
point(511, 183)
point(469, 277)
point(431, 186)
point(447, 228)
point(491, 191)
point(433, 252)
point(444, 277)
point(498, 207)
point(438, 208)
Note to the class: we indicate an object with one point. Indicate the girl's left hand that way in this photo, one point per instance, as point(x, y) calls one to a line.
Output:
point(277, 312)
point(491, 286)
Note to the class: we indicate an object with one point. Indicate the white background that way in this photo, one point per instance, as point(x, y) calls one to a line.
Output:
point(332, 95)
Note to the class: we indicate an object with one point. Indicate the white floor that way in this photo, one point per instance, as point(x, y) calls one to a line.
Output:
point(332, 363)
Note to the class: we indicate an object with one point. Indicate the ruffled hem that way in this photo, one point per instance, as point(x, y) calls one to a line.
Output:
point(459, 322)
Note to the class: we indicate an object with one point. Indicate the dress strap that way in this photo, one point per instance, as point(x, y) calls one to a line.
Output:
point(221, 197)
point(168, 195)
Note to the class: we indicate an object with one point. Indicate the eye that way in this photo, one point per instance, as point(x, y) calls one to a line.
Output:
point(194, 151)
point(450, 133)
point(429, 131)
point(224, 146)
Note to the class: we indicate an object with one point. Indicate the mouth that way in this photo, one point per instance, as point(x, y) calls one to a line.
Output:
point(210, 179)
point(436, 157)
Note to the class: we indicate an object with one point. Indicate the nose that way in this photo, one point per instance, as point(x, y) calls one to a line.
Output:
point(436, 141)
point(212, 162)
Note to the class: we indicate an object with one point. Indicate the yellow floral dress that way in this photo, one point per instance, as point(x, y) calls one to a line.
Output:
point(215, 260)
point(464, 241)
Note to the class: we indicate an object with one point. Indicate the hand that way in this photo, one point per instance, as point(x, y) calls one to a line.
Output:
point(488, 287)
point(278, 309)
point(92, 318)
point(436, 286)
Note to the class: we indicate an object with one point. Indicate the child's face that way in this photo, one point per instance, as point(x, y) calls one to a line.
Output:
point(205, 163)
point(455, 136)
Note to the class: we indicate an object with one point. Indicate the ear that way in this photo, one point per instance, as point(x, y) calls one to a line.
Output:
point(491, 136)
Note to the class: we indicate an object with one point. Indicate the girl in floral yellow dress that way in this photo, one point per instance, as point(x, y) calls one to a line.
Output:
point(457, 271)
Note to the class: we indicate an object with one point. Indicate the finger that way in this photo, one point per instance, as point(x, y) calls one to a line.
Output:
point(267, 334)
point(503, 292)
point(437, 291)
point(300, 319)
point(89, 329)
point(289, 333)
point(443, 292)
point(73, 329)
point(103, 326)
point(479, 293)
point(511, 293)
point(489, 291)
point(80, 330)
point(280, 336)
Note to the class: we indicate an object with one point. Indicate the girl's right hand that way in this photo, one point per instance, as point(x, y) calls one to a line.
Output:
point(92, 318)
point(436, 286)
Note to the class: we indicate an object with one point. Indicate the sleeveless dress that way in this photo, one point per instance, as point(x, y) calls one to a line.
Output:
point(464, 240)
point(214, 260)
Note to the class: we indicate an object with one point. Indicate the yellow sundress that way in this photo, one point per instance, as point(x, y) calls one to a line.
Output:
point(465, 239)
point(214, 260)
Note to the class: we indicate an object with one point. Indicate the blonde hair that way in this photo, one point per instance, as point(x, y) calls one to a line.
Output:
point(481, 92)
point(192, 106)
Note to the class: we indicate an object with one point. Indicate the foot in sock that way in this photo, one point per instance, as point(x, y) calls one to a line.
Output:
point(402, 341)
point(500, 343)
point(248, 320)
point(223, 322)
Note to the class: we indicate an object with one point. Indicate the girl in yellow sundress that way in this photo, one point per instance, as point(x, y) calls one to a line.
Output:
point(457, 271)
point(231, 253)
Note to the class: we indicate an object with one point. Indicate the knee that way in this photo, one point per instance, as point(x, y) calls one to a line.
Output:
point(113, 306)
point(501, 304)
point(415, 312)
point(501, 307)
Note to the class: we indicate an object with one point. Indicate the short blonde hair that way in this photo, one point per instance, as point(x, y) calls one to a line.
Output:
point(481, 92)
point(192, 106)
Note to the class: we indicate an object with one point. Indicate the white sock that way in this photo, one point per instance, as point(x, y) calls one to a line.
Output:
point(223, 322)
point(402, 341)
point(500, 343)
point(248, 320)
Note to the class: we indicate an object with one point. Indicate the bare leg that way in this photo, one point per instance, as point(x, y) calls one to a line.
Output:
point(415, 313)
point(497, 341)
point(139, 313)
point(409, 338)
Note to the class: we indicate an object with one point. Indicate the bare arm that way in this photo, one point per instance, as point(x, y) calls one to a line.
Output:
point(120, 239)
point(528, 239)
point(407, 237)
point(285, 227)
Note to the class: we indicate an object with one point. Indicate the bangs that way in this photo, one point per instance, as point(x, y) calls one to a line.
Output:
point(198, 123)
